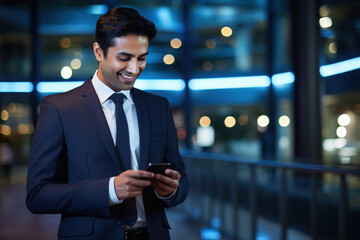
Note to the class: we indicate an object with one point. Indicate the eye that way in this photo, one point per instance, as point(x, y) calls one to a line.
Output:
point(141, 59)
point(123, 59)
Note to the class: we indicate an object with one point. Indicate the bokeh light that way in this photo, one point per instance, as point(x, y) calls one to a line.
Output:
point(344, 119)
point(75, 63)
point(243, 120)
point(169, 59)
point(284, 121)
point(5, 130)
point(341, 132)
point(66, 72)
point(175, 43)
point(4, 115)
point(263, 121)
point(325, 22)
point(205, 121)
point(230, 121)
point(65, 42)
point(208, 66)
point(226, 31)
point(210, 43)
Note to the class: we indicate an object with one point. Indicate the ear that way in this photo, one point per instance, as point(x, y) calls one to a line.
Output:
point(99, 54)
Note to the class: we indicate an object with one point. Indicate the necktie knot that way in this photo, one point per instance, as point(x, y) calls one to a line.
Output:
point(118, 98)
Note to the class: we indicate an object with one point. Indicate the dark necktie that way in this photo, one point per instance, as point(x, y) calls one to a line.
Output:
point(123, 150)
point(122, 131)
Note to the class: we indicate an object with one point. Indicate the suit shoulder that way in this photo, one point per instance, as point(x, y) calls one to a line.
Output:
point(69, 95)
point(67, 99)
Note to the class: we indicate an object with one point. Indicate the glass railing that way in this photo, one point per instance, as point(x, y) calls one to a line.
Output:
point(262, 199)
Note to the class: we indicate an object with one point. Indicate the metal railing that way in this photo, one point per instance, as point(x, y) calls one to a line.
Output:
point(213, 173)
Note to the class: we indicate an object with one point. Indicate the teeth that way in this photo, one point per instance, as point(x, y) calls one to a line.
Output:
point(126, 76)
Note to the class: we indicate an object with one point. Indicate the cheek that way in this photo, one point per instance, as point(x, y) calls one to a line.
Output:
point(114, 65)
point(142, 65)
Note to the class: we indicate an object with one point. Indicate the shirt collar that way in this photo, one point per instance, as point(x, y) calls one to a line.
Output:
point(104, 92)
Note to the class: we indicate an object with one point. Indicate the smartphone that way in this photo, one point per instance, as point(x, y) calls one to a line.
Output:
point(158, 167)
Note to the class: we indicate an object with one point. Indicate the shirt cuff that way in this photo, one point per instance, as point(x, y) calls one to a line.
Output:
point(165, 198)
point(113, 199)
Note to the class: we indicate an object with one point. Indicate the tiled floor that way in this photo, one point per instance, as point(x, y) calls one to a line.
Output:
point(16, 222)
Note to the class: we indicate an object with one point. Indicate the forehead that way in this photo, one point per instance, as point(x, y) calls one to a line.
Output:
point(131, 43)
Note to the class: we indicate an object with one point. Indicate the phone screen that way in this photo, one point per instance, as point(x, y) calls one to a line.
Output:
point(158, 167)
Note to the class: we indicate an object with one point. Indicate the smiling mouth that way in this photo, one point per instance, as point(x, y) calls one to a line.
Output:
point(127, 78)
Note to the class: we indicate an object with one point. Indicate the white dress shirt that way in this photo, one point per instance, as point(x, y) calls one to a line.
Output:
point(104, 92)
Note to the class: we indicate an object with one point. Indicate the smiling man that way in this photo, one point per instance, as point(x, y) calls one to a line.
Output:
point(92, 145)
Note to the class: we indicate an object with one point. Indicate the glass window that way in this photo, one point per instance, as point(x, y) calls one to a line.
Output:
point(340, 51)
point(15, 42)
point(16, 125)
point(66, 39)
point(228, 129)
point(228, 37)
point(340, 44)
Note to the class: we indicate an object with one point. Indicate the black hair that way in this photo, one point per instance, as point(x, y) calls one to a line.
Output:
point(119, 22)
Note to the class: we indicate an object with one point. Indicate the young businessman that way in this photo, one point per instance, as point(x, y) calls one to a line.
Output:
point(92, 145)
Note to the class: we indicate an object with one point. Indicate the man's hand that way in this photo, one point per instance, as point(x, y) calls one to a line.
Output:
point(130, 183)
point(165, 185)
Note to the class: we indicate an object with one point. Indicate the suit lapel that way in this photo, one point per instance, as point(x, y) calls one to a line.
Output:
point(142, 115)
point(93, 107)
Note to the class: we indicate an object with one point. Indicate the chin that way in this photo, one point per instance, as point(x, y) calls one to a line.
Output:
point(127, 87)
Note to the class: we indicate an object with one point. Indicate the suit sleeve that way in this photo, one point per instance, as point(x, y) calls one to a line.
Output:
point(47, 187)
point(173, 156)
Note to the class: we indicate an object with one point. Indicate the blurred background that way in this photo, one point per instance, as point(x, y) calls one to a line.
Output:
point(265, 96)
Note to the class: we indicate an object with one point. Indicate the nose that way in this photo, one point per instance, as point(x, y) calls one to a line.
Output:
point(132, 66)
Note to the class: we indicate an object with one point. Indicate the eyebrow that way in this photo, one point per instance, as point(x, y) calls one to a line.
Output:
point(131, 55)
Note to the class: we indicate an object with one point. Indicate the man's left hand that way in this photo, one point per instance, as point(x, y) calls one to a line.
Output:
point(165, 185)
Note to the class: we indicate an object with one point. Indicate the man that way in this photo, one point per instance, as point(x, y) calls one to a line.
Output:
point(90, 149)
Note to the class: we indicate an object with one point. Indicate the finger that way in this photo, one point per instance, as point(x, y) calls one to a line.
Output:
point(165, 186)
point(128, 185)
point(140, 174)
point(140, 182)
point(132, 195)
point(133, 184)
point(132, 189)
point(162, 188)
point(172, 173)
point(128, 191)
point(168, 181)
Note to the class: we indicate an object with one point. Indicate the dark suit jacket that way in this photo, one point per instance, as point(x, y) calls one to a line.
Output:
point(73, 157)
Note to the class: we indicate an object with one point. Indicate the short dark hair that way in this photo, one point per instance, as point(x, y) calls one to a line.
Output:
point(119, 22)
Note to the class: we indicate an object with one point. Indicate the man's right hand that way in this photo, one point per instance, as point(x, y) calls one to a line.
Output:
point(130, 183)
